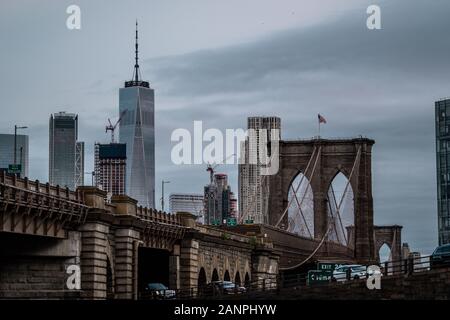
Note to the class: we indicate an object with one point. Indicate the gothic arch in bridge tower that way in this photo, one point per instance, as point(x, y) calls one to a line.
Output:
point(320, 160)
point(391, 236)
point(340, 208)
point(301, 207)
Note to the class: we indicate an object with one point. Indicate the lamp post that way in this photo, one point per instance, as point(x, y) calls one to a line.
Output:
point(162, 197)
point(15, 141)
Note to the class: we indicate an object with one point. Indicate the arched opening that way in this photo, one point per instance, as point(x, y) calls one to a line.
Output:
point(301, 207)
point(384, 253)
point(340, 207)
point(247, 280)
point(385, 256)
point(153, 268)
point(215, 276)
point(226, 276)
point(237, 279)
point(201, 282)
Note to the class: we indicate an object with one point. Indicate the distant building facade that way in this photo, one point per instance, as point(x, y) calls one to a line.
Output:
point(187, 202)
point(66, 155)
point(253, 189)
point(7, 152)
point(110, 167)
point(442, 111)
point(219, 200)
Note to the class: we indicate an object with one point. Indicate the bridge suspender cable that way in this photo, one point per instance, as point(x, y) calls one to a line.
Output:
point(357, 160)
point(301, 180)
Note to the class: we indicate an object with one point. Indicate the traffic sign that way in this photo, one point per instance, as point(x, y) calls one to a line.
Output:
point(231, 222)
point(327, 266)
point(319, 276)
point(14, 168)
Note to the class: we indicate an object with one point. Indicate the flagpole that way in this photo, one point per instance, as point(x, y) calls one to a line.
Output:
point(319, 128)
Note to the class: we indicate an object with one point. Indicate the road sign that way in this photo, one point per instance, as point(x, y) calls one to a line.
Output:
point(248, 221)
point(231, 222)
point(327, 266)
point(319, 276)
point(14, 168)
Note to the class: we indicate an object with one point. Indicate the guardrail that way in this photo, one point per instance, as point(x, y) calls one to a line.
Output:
point(158, 216)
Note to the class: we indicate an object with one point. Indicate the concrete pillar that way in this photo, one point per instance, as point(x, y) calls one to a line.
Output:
point(93, 260)
point(126, 263)
point(174, 268)
point(188, 263)
point(264, 269)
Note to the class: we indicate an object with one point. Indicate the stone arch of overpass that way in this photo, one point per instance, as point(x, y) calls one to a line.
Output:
point(327, 159)
point(220, 264)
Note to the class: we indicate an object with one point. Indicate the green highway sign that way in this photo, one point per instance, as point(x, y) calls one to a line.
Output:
point(319, 276)
point(231, 222)
point(327, 266)
point(248, 221)
point(14, 168)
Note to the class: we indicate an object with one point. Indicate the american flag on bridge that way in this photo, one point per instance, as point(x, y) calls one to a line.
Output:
point(321, 119)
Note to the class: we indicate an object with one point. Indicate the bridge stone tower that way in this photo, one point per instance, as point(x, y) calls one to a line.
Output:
point(327, 158)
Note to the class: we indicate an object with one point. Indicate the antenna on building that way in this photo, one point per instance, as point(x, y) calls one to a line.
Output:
point(112, 127)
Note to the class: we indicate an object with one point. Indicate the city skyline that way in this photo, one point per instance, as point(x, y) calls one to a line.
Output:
point(384, 92)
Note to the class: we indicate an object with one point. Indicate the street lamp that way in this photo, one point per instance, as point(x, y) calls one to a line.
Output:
point(15, 141)
point(162, 198)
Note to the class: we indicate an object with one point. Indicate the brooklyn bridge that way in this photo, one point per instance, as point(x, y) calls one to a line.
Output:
point(120, 247)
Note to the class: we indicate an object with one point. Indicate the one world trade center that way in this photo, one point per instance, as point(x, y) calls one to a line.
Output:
point(137, 130)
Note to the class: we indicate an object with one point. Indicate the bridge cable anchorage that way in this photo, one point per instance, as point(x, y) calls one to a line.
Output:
point(254, 197)
point(301, 181)
point(357, 160)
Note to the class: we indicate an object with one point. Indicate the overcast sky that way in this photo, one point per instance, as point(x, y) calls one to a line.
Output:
point(221, 61)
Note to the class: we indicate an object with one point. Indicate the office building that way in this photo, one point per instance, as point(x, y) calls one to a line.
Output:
point(218, 200)
point(187, 202)
point(110, 167)
point(442, 110)
point(137, 131)
point(66, 155)
point(7, 152)
point(253, 188)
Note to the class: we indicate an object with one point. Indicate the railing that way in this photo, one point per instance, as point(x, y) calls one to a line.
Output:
point(158, 216)
point(404, 267)
point(36, 186)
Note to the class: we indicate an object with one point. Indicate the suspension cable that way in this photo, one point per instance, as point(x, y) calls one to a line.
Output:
point(301, 180)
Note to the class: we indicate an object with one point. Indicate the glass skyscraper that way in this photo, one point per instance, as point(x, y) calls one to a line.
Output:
point(137, 131)
point(65, 154)
point(442, 109)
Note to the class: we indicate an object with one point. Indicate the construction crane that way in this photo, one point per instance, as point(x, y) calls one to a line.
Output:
point(112, 127)
point(210, 168)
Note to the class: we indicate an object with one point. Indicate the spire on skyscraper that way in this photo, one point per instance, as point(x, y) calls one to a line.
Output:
point(136, 72)
point(136, 80)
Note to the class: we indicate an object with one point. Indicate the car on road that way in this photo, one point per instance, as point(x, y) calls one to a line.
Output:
point(159, 291)
point(352, 271)
point(222, 287)
point(440, 257)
